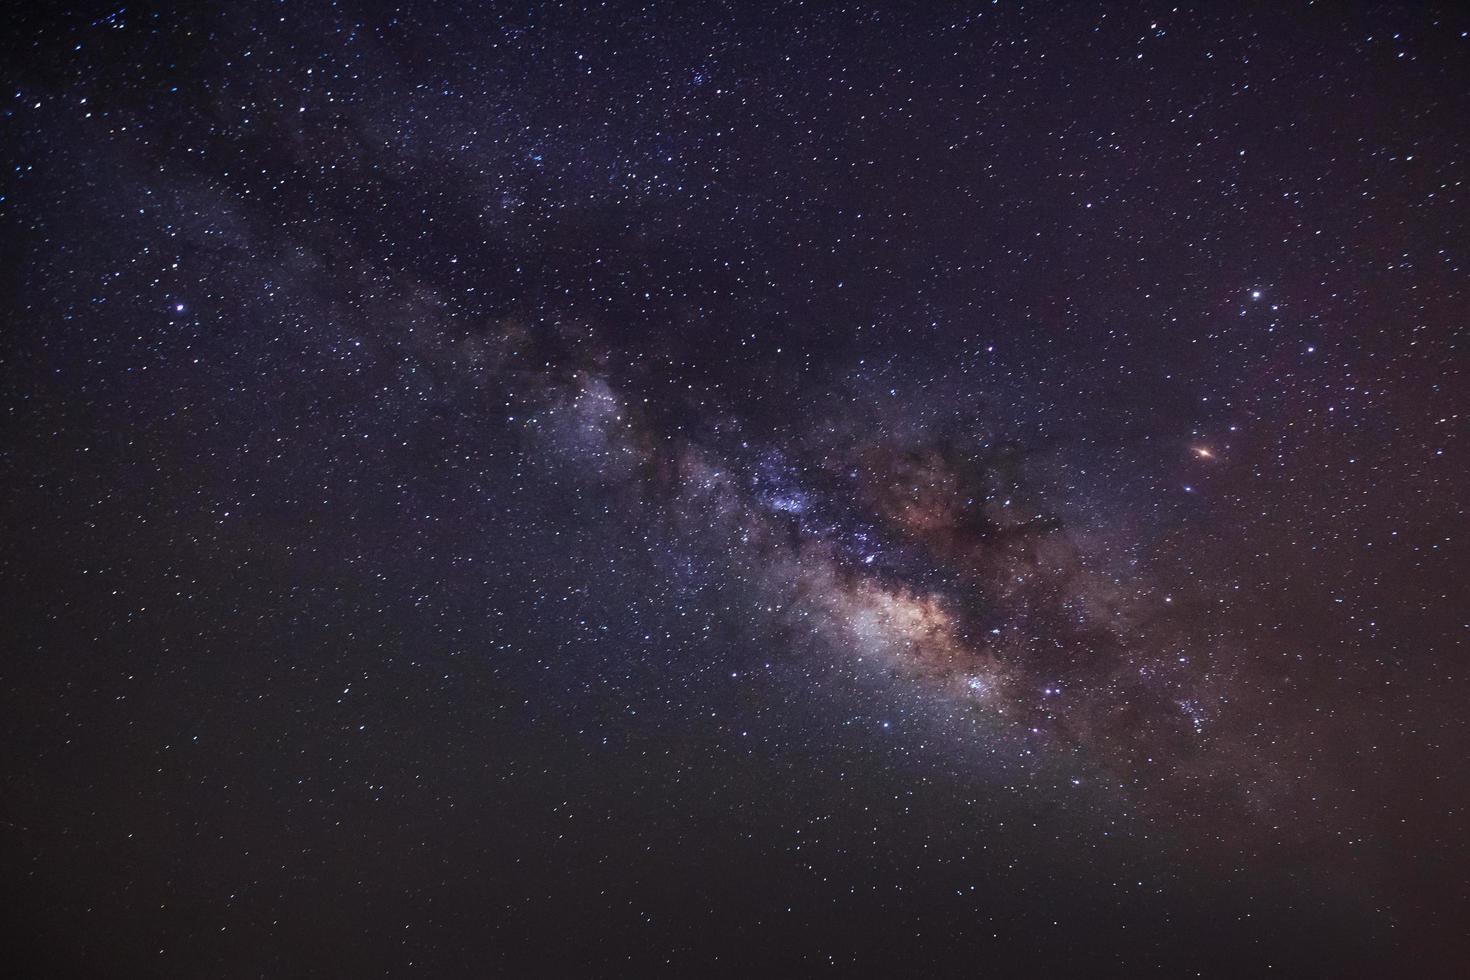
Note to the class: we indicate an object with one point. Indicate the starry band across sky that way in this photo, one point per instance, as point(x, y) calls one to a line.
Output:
point(782, 489)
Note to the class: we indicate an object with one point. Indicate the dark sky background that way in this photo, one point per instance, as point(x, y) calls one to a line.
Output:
point(790, 489)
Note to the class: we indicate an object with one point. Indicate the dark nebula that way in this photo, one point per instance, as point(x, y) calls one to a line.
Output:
point(759, 490)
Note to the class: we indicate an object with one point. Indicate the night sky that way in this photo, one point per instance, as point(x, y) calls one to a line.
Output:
point(735, 489)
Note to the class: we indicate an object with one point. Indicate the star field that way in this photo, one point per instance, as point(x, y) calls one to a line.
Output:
point(783, 489)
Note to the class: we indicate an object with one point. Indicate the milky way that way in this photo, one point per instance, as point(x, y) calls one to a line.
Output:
point(604, 490)
point(918, 546)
